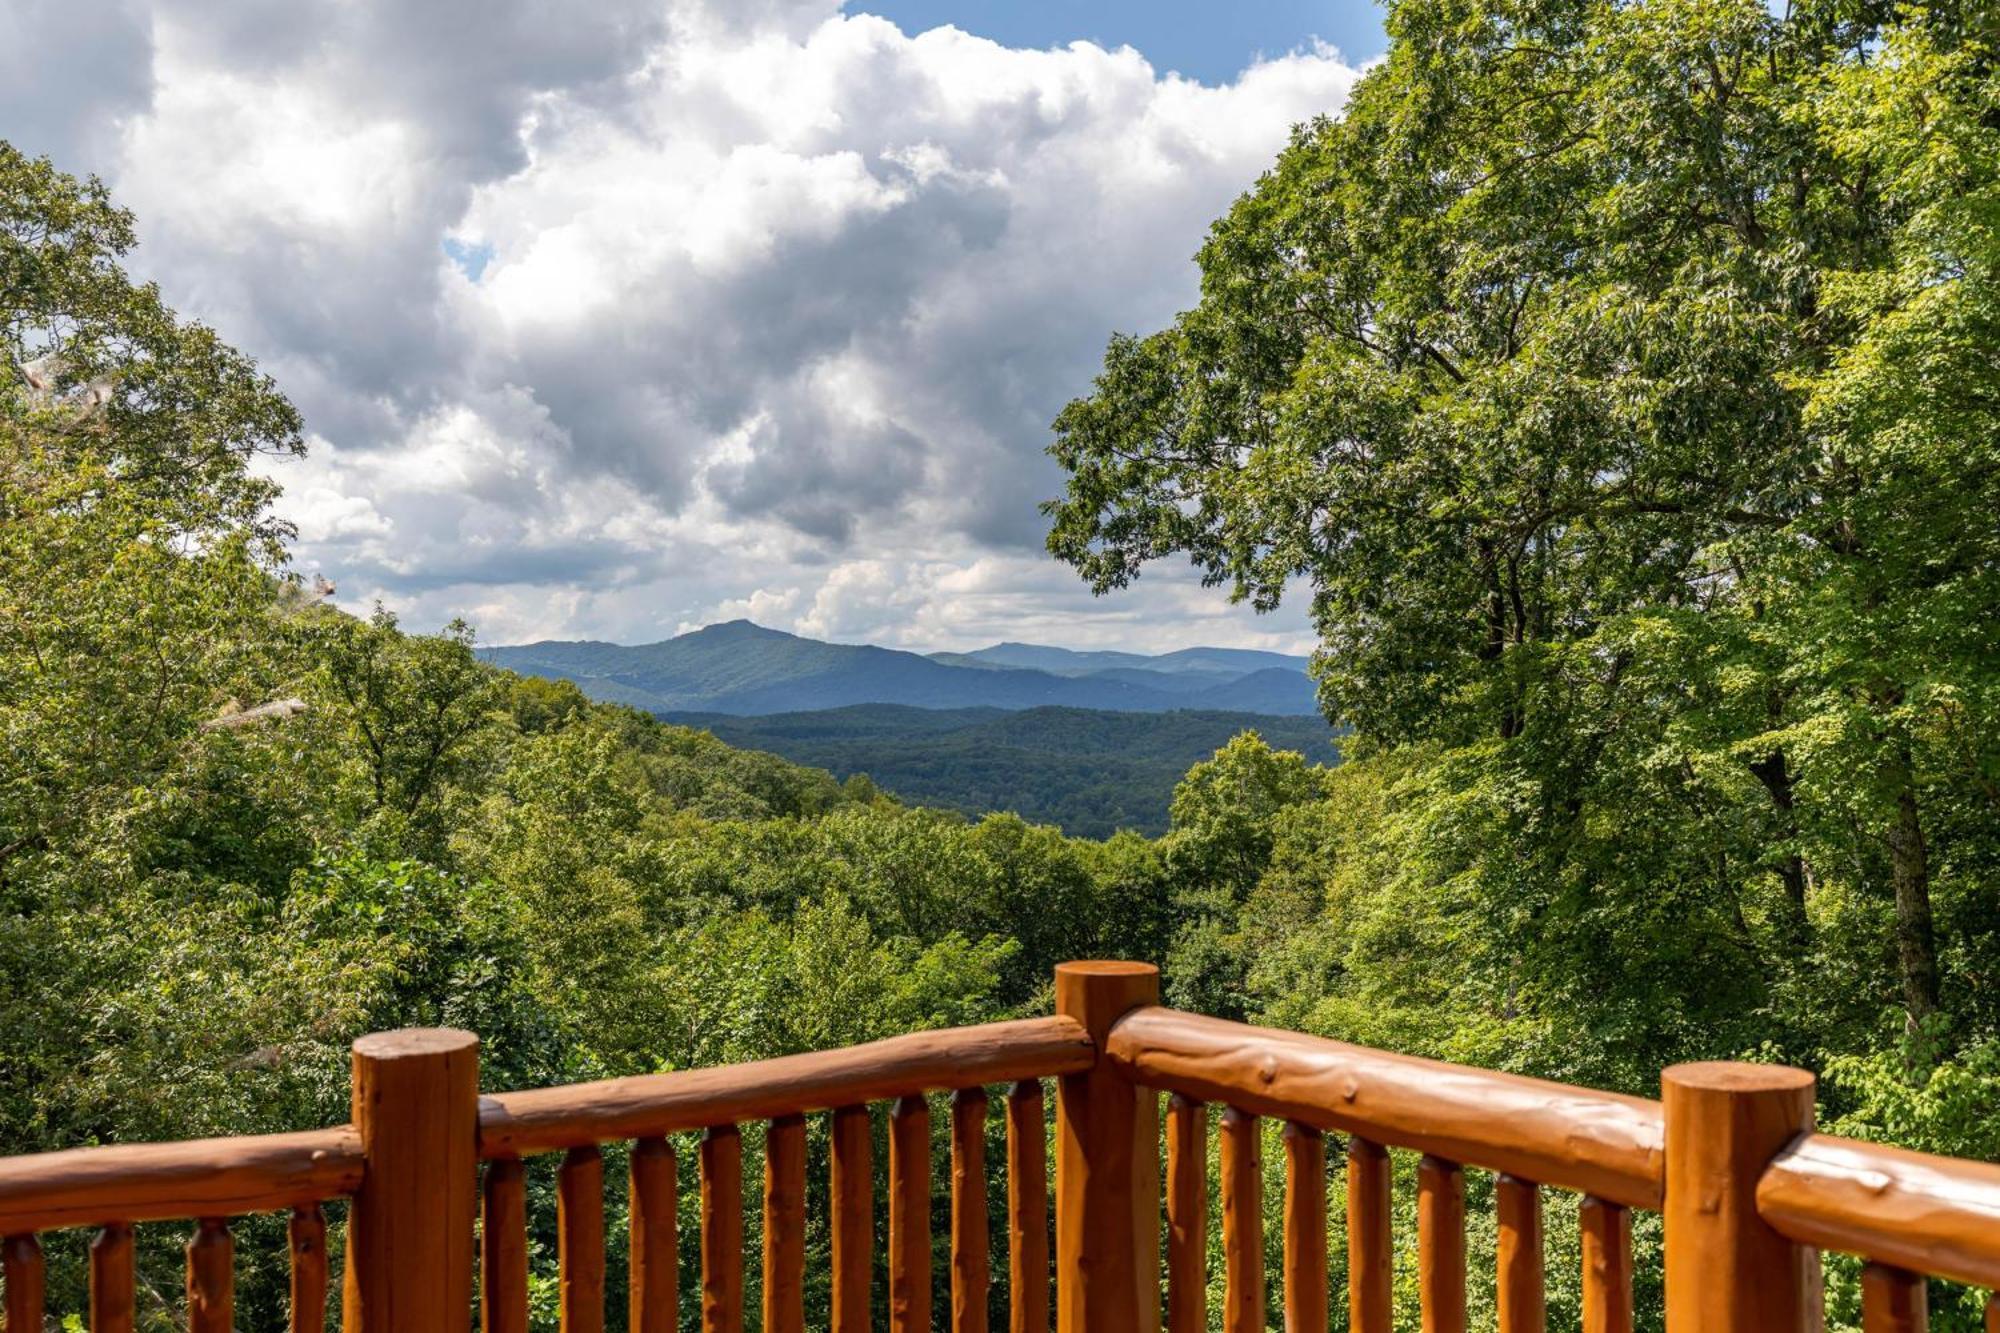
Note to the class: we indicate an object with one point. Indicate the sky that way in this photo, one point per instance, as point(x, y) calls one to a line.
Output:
point(611, 321)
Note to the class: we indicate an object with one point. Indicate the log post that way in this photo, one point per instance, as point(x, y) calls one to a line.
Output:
point(409, 1233)
point(1727, 1271)
point(1107, 1165)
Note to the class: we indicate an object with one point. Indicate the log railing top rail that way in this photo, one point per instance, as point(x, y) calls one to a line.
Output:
point(1750, 1194)
point(1596, 1143)
point(518, 1124)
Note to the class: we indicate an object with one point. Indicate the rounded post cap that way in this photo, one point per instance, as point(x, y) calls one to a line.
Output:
point(405, 1043)
point(1735, 1076)
point(1106, 967)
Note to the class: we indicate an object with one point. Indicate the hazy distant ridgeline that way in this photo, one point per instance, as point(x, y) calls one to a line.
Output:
point(745, 670)
point(1092, 772)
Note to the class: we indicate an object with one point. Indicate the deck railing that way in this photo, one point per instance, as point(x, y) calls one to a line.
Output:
point(1750, 1194)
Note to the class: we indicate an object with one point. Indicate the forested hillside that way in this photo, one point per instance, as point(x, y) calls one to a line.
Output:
point(1088, 772)
point(1617, 381)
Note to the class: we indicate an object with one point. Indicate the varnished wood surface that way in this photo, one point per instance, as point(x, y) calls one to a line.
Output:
point(785, 1226)
point(1441, 1255)
point(1592, 1142)
point(546, 1119)
point(580, 1240)
point(654, 1201)
point(1027, 1209)
point(1606, 1230)
point(1523, 1307)
point(112, 1281)
point(1187, 1216)
point(1912, 1210)
point(910, 1216)
point(1242, 1158)
point(1370, 1251)
point(22, 1266)
point(503, 1254)
point(971, 1241)
point(1727, 1269)
point(211, 1278)
point(722, 1230)
point(1893, 1300)
point(152, 1182)
point(305, 1237)
point(852, 1188)
point(1305, 1287)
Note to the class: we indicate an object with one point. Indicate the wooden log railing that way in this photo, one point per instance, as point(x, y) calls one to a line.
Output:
point(1750, 1195)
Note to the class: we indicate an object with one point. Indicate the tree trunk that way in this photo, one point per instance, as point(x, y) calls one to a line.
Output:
point(1776, 776)
point(1916, 943)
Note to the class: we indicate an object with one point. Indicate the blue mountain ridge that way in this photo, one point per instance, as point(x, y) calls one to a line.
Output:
point(742, 669)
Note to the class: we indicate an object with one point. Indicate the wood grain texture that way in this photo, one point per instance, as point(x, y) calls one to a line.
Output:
point(1027, 1209)
point(547, 1119)
point(503, 1248)
point(971, 1239)
point(211, 1278)
point(1187, 1216)
point(1893, 1300)
point(22, 1266)
point(852, 1188)
point(1913, 1210)
point(1606, 1231)
point(1370, 1257)
point(410, 1230)
point(153, 1182)
point(1242, 1222)
point(1441, 1245)
point(1592, 1142)
point(305, 1237)
point(1107, 1164)
point(580, 1240)
point(1522, 1306)
point(655, 1271)
point(112, 1281)
point(722, 1230)
point(910, 1216)
point(1305, 1230)
point(785, 1226)
point(1727, 1270)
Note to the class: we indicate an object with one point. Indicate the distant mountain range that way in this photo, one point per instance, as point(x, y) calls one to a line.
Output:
point(1091, 772)
point(745, 670)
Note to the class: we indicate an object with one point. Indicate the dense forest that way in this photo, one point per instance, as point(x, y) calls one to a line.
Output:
point(1089, 772)
point(1618, 380)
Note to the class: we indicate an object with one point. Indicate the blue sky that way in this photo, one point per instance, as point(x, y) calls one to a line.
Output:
point(1211, 40)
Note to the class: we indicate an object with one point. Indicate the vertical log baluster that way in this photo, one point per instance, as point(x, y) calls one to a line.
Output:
point(1370, 1262)
point(211, 1278)
point(1305, 1230)
point(1992, 1313)
point(1441, 1245)
point(580, 1239)
point(1187, 1216)
point(1893, 1300)
point(1607, 1266)
point(971, 1258)
point(910, 1216)
point(1518, 1204)
point(21, 1263)
point(1242, 1223)
point(722, 1230)
point(785, 1226)
point(305, 1234)
point(852, 1187)
point(1027, 1209)
point(655, 1240)
point(112, 1293)
point(503, 1248)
